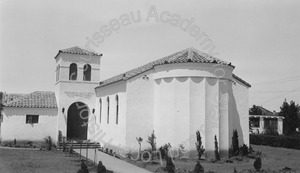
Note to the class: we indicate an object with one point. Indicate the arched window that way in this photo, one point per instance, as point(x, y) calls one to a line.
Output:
point(86, 72)
point(100, 111)
point(117, 109)
point(107, 110)
point(73, 72)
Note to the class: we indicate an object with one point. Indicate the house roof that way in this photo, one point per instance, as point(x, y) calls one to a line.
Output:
point(185, 56)
point(77, 50)
point(38, 99)
point(266, 113)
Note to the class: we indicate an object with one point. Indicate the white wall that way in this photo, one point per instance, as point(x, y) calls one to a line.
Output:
point(140, 109)
point(68, 92)
point(111, 135)
point(14, 124)
point(177, 100)
point(240, 112)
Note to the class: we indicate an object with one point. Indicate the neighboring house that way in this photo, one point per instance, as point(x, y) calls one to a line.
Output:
point(268, 120)
point(175, 96)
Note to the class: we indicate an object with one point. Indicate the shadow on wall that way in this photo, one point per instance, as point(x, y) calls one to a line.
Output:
point(234, 118)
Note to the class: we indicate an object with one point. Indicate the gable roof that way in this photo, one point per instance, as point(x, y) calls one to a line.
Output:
point(37, 99)
point(266, 112)
point(185, 56)
point(77, 50)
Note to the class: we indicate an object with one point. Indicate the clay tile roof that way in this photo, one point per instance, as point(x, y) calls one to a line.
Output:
point(38, 99)
point(78, 50)
point(185, 56)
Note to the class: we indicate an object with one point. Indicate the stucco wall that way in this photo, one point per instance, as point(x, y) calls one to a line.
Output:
point(140, 109)
point(176, 100)
point(111, 135)
point(14, 124)
point(68, 91)
point(240, 111)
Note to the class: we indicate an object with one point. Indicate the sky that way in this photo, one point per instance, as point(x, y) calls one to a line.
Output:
point(260, 38)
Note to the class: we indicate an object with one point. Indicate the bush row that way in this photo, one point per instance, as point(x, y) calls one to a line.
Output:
point(276, 141)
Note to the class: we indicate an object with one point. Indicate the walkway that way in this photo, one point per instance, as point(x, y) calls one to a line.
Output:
point(112, 163)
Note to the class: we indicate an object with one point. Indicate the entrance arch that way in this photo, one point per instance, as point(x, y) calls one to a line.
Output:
point(77, 121)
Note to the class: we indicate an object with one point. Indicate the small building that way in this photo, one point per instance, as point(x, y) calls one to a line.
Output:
point(29, 117)
point(268, 121)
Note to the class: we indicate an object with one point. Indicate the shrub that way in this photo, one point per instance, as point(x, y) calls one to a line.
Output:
point(101, 168)
point(257, 163)
point(139, 140)
point(48, 141)
point(59, 136)
point(199, 145)
point(151, 141)
point(276, 141)
point(244, 150)
point(181, 149)
point(235, 143)
point(217, 154)
point(170, 167)
point(83, 168)
point(198, 168)
point(270, 131)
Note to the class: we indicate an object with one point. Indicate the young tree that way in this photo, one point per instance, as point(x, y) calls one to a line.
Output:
point(139, 140)
point(152, 142)
point(291, 113)
point(199, 145)
point(217, 154)
point(235, 143)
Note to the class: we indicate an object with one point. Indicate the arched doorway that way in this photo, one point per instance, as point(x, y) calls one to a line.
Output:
point(77, 123)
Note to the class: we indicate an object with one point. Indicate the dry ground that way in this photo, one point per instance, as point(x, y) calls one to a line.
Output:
point(23, 161)
point(19, 161)
point(274, 159)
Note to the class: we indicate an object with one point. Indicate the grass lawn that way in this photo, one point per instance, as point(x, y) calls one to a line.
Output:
point(274, 159)
point(20, 160)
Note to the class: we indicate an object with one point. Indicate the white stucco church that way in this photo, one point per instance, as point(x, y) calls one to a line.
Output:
point(175, 96)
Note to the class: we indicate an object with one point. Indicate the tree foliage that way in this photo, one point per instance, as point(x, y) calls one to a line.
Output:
point(235, 143)
point(217, 154)
point(255, 110)
point(199, 146)
point(290, 111)
point(152, 141)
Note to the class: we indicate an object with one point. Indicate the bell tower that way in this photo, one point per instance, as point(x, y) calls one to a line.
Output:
point(77, 74)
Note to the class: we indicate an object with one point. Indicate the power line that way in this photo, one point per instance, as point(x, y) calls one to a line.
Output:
point(267, 92)
point(274, 98)
point(278, 81)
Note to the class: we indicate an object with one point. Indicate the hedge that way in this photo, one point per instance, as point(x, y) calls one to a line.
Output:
point(276, 141)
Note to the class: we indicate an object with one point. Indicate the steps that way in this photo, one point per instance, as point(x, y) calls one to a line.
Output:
point(77, 145)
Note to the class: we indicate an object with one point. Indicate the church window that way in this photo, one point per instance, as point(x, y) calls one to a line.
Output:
point(32, 119)
point(87, 72)
point(117, 109)
point(100, 110)
point(73, 72)
point(107, 110)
